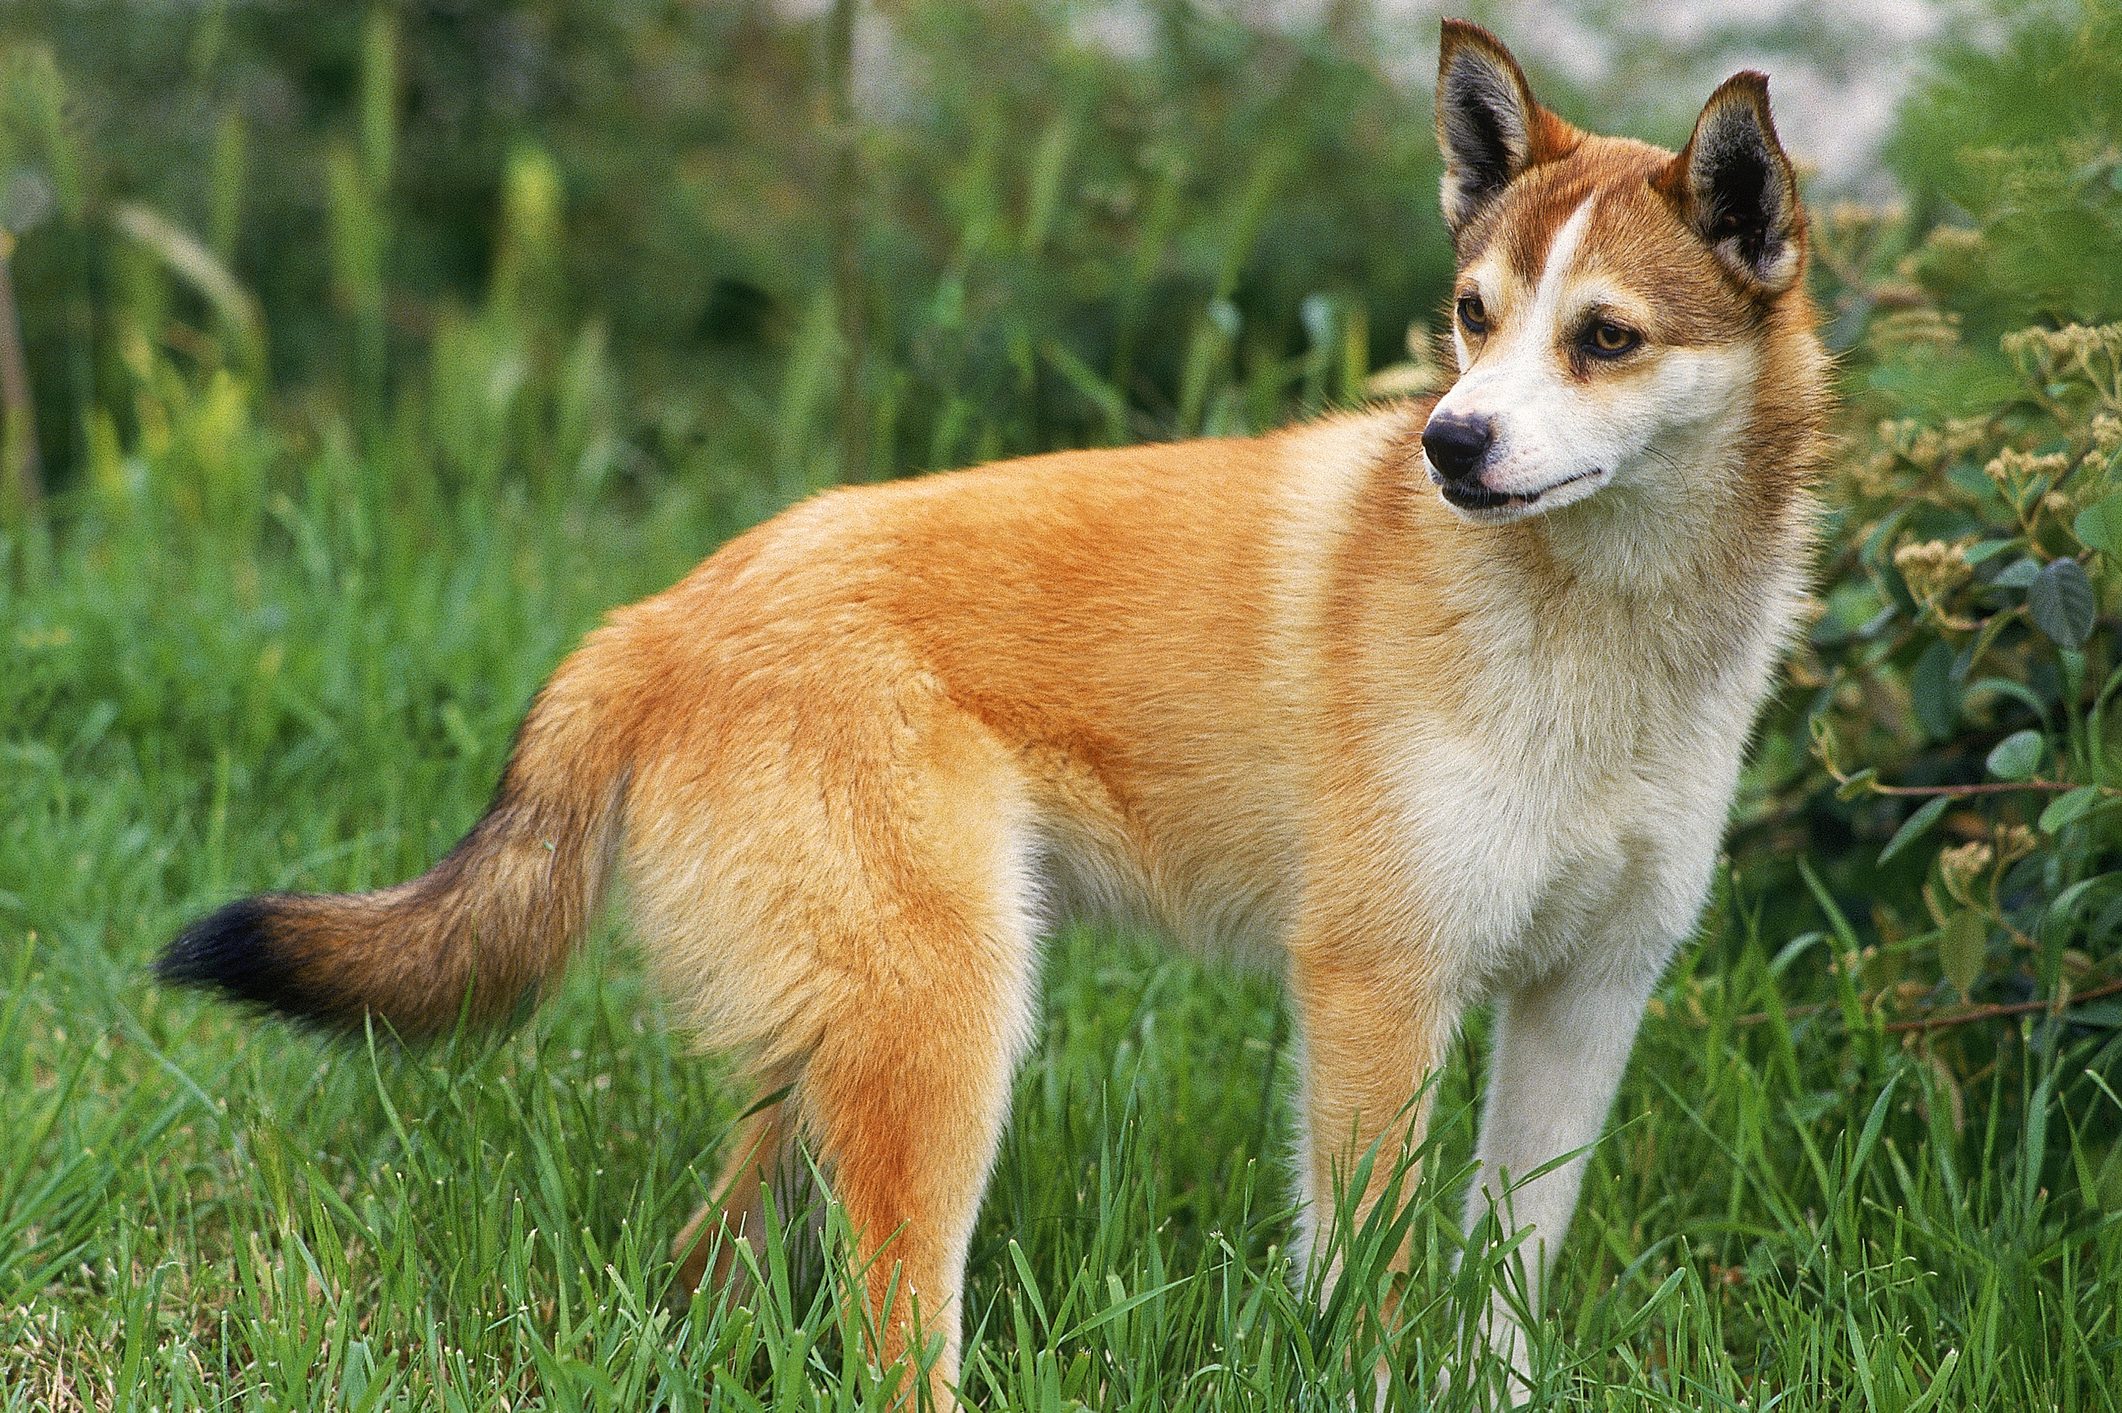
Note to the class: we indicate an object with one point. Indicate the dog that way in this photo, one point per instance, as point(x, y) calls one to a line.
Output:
point(1426, 705)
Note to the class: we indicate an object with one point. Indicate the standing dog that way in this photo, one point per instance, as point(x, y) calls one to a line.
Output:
point(1428, 704)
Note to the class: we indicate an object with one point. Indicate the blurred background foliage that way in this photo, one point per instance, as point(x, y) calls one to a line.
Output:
point(1058, 243)
point(1943, 778)
point(296, 282)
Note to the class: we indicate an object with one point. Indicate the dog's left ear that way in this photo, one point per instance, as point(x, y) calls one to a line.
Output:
point(1736, 188)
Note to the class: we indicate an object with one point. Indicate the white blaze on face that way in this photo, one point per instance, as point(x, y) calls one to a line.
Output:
point(1650, 421)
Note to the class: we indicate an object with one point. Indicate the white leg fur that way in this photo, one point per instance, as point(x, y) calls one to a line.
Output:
point(1560, 1046)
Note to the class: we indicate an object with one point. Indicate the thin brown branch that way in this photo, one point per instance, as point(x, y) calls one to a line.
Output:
point(1938, 1020)
point(1975, 1014)
point(2003, 787)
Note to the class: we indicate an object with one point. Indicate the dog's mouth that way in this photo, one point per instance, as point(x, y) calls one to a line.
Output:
point(1467, 496)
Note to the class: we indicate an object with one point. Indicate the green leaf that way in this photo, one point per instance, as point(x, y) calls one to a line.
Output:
point(1936, 696)
point(2018, 574)
point(2061, 907)
point(2100, 524)
point(2066, 810)
point(2017, 691)
point(2061, 603)
point(2108, 1191)
point(1029, 1284)
point(2016, 756)
point(1119, 1307)
point(1856, 785)
point(1914, 827)
point(1940, 1383)
point(1961, 945)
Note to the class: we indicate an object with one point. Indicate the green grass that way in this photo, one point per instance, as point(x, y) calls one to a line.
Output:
point(241, 663)
point(344, 467)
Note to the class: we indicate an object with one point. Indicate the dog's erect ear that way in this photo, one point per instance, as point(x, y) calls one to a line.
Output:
point(1488, 126)
point(1736, 188)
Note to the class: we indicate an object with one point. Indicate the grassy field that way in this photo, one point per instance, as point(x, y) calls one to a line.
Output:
point(195, 1209)
point(357, 412)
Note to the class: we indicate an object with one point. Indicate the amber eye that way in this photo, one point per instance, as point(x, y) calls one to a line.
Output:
point(1611, 340)
point(1473, 316)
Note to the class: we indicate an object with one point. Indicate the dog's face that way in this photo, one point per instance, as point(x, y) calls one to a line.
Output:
point(1609, 315)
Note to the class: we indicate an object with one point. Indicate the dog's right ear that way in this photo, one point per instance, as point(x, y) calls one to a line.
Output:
point(1488, 126)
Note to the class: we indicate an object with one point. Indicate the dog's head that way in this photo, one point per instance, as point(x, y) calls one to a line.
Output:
point(1616, 304)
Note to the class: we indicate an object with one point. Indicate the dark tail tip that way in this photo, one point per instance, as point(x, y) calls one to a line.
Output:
point(242, 951)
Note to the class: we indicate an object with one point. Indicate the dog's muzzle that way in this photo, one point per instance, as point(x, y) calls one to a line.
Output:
point(1457, 447)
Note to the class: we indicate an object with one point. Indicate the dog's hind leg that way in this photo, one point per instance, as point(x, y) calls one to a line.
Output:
point(838, 888)
point(761, 1158)
point(903, 1102)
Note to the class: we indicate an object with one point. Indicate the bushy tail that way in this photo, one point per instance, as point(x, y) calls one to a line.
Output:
point(501, 911)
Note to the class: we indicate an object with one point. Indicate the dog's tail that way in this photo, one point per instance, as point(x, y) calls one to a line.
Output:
point(498, 914)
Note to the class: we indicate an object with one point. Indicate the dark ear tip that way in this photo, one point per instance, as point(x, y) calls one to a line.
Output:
point(1459, 34)
point(1750, 85)
point(1740, 101)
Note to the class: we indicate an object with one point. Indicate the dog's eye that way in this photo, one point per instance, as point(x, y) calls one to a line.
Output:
point(1611, 340)
point(1473, 316)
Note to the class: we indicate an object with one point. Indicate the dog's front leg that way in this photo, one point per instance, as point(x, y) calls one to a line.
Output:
point(1560, 1046)
point(1376, 1015)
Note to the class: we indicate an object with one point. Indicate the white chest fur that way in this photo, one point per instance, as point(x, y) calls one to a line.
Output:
point(1578, 801)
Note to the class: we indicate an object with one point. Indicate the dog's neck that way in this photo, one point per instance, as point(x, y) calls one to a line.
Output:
point(1626, 543)
point(1713, 575)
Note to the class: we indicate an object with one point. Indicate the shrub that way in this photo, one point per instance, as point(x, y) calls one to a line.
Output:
point(1951, 754)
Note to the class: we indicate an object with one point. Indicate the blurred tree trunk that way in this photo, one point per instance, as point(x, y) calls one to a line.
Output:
point(848, 293)
point(845, 200)
point(18, 414)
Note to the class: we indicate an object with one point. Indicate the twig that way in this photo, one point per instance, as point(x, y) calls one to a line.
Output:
point(1974, 1014)
point(1942, 1020)
point(1992, 788)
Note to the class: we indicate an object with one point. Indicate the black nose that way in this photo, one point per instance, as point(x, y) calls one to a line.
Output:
point(1456, 444)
